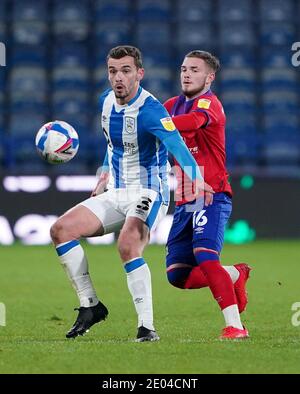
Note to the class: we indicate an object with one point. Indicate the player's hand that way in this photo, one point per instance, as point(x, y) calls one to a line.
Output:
point(101, 185)
point(203, 187)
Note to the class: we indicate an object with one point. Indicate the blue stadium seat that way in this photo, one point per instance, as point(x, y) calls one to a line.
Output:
point(154, 10)
point(280, 151)
point(280, 100)
point(159, 81)
point(277, 57)
point(2, 32)
point(284, 124)
point(153, 35)
point(26, 124)
point(74, 107)
point(64, 78)
point(232, 57)
point(101, 82)
point(277, 10)
point(28, 101)
point(194, 11)
point(112, 10)
point(195, 35)
point(277, 33)
point(29, 55)
point(158, 58)
point(109, 34)
point(71, 20)
point(30, 32)
point(239, 123)
point(70, 54)
point(28, 79)
point(237, 34)
point(243, 149)
point(239, 100)
point(3, 10)
point(29, 10)
point(279, 78)
point(237, 78)
point(235, 10)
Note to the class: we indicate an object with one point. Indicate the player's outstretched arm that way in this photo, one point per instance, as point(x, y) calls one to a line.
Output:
point(103, 179)
point(175, 144)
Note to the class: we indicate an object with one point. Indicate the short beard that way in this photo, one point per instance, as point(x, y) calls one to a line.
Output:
point(193, 93)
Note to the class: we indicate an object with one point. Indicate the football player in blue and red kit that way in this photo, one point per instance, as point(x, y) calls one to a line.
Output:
point(197, 233)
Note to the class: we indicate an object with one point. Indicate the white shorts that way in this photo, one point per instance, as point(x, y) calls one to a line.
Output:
point(114, 206)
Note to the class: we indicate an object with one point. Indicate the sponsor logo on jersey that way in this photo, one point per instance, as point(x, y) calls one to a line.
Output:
point(168, 124)
point(129, 124)
point(203, 103)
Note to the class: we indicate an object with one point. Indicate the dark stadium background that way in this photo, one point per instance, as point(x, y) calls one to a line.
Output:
point(55, 69)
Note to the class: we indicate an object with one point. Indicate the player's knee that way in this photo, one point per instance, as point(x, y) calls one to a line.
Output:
point(175, 279)
point(126, 249)
point(130, 245)
point(59, 232)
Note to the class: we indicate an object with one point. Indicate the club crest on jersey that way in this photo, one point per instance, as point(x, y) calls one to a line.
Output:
point(129, 124)
point(203, 103)
point(168, 124)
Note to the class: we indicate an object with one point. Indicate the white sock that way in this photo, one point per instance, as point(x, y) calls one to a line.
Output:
point(75, 264)
point(233, 272)
point(232, 317)
point(139, 285)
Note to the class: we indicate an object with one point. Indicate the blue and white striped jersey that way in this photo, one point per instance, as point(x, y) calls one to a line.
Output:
point(134, 134)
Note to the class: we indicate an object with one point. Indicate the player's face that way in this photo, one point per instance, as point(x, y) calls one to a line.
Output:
point(124, 78)
point(196, 77)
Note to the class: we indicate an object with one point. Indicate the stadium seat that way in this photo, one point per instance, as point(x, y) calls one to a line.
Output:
point(28, 79)
point(232, 57)
point(153, 10)
point(277, 33)
point(153, 35)
point(29, 55)
point(29, 10)
point(239, 100)
point(194, 35)
point(64, 78)
point(30, 32)
point(243, 149)
point(280, 151)
point(276, 10)
point(279, 78)
point(238, 78)
point(2, 31)
point(159, 81)
point(26, 123)
point(241, 123)
point(275, 57)
point(194, 11)
point(112, 10)
point(110, 34)
point(280, 100)
point(237, 34)
point(70, 54)
point(235, 10)
point(284, 124)
point(71, 20)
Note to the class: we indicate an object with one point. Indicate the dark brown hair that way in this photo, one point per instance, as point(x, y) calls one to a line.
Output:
point(126, 50)
point(211, 60)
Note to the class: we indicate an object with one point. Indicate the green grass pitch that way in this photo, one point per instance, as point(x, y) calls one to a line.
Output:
point(39, 310)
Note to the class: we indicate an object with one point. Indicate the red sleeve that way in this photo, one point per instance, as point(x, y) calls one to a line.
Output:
point(169, 104)
point(192, 121)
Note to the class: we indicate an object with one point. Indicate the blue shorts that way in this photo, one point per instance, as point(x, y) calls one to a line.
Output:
point(204, 228)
